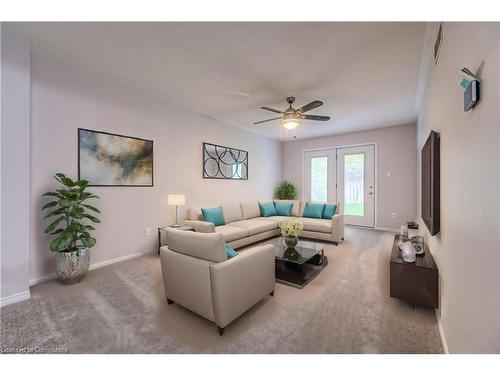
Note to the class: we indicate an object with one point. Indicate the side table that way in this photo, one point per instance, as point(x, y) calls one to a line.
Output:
point(416, 282)
point(162, 229)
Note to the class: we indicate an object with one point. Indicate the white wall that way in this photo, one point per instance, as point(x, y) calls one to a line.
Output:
point(467, 250)
point(64, 99)
point(396, 148)
point(15, 159)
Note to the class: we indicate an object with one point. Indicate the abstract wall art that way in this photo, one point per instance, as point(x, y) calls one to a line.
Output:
point(106, 159)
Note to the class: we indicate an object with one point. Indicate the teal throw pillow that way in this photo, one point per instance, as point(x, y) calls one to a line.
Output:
point(229, 251)
point(267, 209)
point(329, 211)
point(314, 210)
point(213, 215)
point(283, 209)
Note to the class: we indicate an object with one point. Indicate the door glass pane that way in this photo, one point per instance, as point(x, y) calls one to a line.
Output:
point(354, 184)
point(319, 179)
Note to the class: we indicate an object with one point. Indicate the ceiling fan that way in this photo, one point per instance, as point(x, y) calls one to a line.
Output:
point(291, 116)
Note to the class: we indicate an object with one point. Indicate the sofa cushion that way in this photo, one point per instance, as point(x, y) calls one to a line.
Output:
point(256, 226)
point(267, 209)
point(304, 203)
point(231, 232)
point(314, 210)
point(213, 215)
point(250, 210)
point(230, 251)
point(329, 211)
point(232, 212)
point(295, 207)
point(283, 209)
point(207, 246)
point(316, 225)
point(277, 219)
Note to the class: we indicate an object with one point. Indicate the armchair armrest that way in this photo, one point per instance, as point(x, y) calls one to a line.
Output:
point(338, 228)
point(200, 226)
point(240, 282)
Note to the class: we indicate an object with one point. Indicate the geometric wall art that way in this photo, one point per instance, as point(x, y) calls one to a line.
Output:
point(221, 162)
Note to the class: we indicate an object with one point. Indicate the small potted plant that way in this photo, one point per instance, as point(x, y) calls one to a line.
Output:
point(71, 226)
point(286, 190)
point(290, 231)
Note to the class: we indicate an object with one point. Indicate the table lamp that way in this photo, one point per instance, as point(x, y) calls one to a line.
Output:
point(176, 200)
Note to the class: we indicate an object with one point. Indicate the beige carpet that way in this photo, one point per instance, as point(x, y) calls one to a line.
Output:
point(121, 309)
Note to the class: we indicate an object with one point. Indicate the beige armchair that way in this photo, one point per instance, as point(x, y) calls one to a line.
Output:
point(198, 276)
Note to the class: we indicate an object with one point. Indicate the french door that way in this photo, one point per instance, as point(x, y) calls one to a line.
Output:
point(321, 171)
point(345, 175)
point(356, 184)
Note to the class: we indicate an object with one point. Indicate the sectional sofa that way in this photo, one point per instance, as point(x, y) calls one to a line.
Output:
point(245, 225)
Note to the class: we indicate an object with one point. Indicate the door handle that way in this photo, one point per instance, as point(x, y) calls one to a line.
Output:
point(370, 193)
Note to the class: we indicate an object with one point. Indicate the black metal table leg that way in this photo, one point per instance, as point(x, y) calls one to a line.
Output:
point(159, 240)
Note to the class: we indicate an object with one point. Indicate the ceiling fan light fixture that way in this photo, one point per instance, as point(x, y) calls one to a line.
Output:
point(290, 124)
point(290, 118)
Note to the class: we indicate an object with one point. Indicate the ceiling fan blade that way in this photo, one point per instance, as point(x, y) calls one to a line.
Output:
point(314, 117)
point(308, 107)
point(270, 119)
point(271, 109)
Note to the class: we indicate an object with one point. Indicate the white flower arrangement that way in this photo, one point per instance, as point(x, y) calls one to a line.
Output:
point(291, 228)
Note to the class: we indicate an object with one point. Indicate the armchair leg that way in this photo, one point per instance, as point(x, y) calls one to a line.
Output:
point(169, 301)
point(272, 293)
point(221, 330)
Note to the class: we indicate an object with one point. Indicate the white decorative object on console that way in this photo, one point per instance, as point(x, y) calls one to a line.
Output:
point(408, 251)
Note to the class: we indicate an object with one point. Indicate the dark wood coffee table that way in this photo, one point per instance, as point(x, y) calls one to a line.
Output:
point(298, 266)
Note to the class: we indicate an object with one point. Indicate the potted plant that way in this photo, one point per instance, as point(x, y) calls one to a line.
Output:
point(290, 231)
point(71, 226)
point(286, 190)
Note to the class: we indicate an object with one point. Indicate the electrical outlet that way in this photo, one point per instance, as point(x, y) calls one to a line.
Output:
point(393, 214)
point(148, 231)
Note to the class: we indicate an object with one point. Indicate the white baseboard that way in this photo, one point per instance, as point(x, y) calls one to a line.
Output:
point(42, 279)
point(15, 298)
point(117, 260)
point(387, 229)
point(441, 332)
point(94, 266)
point(384, 229)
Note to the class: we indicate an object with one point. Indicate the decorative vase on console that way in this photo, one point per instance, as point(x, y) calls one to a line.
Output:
point(408, 252)
point(290, 231)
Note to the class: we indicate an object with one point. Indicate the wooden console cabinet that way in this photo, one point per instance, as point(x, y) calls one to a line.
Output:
point(417, 282)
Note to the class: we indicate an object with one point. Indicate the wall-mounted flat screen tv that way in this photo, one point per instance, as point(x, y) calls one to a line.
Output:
point(430, 183)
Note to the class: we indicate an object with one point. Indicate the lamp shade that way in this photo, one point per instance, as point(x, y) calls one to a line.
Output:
point(176, 199)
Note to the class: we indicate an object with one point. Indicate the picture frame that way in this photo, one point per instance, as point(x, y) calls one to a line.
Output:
point(108, 159)
point(224, 163)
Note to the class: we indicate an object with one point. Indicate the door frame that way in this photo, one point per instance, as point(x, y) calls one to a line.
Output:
point(374, 143)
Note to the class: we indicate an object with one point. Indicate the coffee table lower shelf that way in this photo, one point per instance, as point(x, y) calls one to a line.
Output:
point(299, 275)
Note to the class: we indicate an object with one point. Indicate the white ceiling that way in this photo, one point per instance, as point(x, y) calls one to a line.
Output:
point(365, 73)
